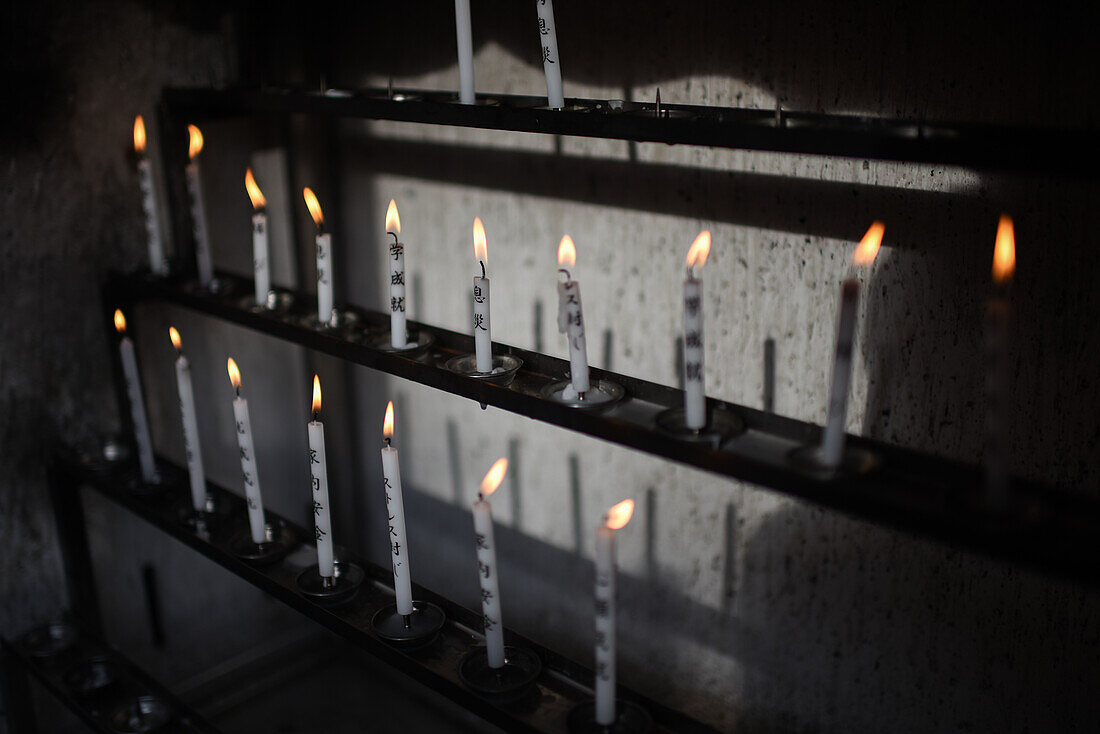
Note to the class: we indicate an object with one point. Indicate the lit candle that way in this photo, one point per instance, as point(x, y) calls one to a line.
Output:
point(832, 439)
point(465, 52)
point(260, 266)
point(137, 401)
point(398, 336)
point(998, 319)
point(571, 320)
point(615, 519)
point(695, 396)
point(198, 210)
point(249, 476)
point(318, 470)
point(548, 39)
point(324, 259)
point(487, 564)
point(157, 263)
point(190, 424)
point(483, 340)
point(395, 511)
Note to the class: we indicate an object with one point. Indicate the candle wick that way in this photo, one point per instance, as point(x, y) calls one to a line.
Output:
point(395, 240)
point(238, 389)
point(316, 415)
point(480, 496)
point(386, 439)
point(565, 272)
point(482, 262)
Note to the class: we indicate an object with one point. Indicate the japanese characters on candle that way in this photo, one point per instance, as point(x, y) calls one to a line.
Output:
point(615, 519)
point(191, 449)
point(832, 439)
point(998, 322)
point(249, 476)
point(318, 472)
point(487, 572)
point(142, 438)
point(198, 210)
point(571, 320)
point(483, 340)
point(695, 397)
point(157, 262)
point(395, 513)
point(260, 267)
point(398, 335)
point(548, 39)
point(323, 242)
point(465, 52)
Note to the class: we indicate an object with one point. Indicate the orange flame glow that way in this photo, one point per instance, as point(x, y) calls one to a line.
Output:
point(120, 321)
point(567, 252)
point(234, 374)
point(868, 246)
point(481, 249)
point(139, 134)
point(393, 219)
point(1004, 251)
point(387, 423)
point(619, 515)
point(175, 337)
point(313, 205)
point(700, 248)
point(254, 193)
point(316, 394)
point(194, 147)
point(494, 477)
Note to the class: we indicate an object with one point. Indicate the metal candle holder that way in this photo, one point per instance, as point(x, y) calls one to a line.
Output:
point(100, 455)
point(630, 718)
point(277, 302)
point(505, 367)
point(279, 541)
point(341, 320)
point(418, 344)
point(92, 676)
point(721, 426)
point(51, 639)
point(601, 395)
point(855, 461)
point(515, 679)
point(409, 630)
point(167, 477)
point(345, 582)
point(143, 714)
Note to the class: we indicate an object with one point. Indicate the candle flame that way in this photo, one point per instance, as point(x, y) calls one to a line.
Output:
point(254, 193)
point(120, 321)
point(567, 252)
point(393, 219)
point(316, 394)
point(1004, 251)
point(619, 515)
point(313, 205)
point(868, 246)
point(700, 248)
point(481, 249)
point(234, 374)
point(194, 147)
point(494, 477)
point(387, 423)
point(174, 335)
point(139, 134)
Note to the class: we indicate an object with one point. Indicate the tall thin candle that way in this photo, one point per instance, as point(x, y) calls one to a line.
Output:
point(615, 519)
point(198, 210)
point(398, 335)
point(256, 522)
point(260, 266)
point(190, 424)
point(695, 395)
point(157, 262)
point(318, 471)
point(323, 242)
point(483, 340)
point(998, 320)
point(395, 511)
point(551, 62)
point(487, 572)
point(140, 421)
point(465, 52)
point(571, 318)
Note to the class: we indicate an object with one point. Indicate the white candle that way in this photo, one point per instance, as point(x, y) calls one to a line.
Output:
point(198, 210)
point(487, 572)
point(260, 266)
point(832, 438)
point(190, 424)
point(571, 319)
point(395, 512)
point(616, 518)
point(551, 63)
point(465, 52)
point(695, 395)
point(483, 340)
point(249, 475)
point(398, 335)
point(323, 243)
point(157, 263)
point(137, 401)
point(998, 318)
point(318, 471)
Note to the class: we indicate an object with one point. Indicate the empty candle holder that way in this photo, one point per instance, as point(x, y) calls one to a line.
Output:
point(509, 682)
point(601, 395)
point(409, 630)
point(505, 367)
point(99, 455)
point(140, 715)
point(630, 718)
point(417, 344)
point(809, 460)
point(722, 425)
point(341, 587)
point(279, 540)
point(92, 676)
point(277, 302)
point(50, 640)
